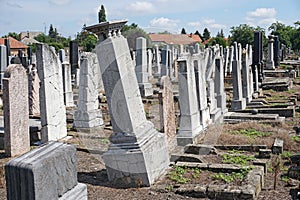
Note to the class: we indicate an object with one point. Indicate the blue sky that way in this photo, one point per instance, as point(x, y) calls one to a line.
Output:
point(68, 16)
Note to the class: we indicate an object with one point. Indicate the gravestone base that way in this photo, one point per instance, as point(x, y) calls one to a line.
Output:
point(139, 163)
point(270, 65)
point(185, 137)
point(205, 117)
point(69, 96)
point(216, 115)
point(146, 89)
point(79, 192)
point(88, 120)
point(238, 104)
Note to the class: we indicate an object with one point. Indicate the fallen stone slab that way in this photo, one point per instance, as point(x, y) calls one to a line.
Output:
point(185, 158)
point(251, 148)
point(199, 149)
point(264, 153)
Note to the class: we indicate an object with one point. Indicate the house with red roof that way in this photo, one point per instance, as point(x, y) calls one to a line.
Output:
point(176, 39)
point(15, 45)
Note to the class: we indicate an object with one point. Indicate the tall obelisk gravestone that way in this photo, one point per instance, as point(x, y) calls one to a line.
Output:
point(138, 153)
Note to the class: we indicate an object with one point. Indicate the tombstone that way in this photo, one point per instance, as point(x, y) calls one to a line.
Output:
point(29, 54)
point(226, 60)
point(190, 126)
point(167, 112)
point(283, 52)
point(88, 116)
point(149, 61)
point(231, 50)
point(74, 57)
point(219, 86)
point(164, 61)
point(170, 65)
point(3, 63)
point(270, 59)
point(53, 111)
point(33, 91)
point(157, 61)
point(238, 102)
point(132, 156)
point(7, 44)
point(276, 50)
point(197, 48)
point(48, 172)
point(215, 112)
point(141, 68)
point(67, 80)
point(15, 108)
point(249, 64)
point(246, 77)
point(200, 67)
point(258, 55)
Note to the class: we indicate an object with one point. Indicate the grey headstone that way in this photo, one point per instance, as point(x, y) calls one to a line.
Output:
point(47, 173)
point(53, 111)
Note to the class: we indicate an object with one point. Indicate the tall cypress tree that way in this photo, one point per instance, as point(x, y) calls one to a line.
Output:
point(101, 14)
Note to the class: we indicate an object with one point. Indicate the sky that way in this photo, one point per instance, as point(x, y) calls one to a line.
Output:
point(68, 16)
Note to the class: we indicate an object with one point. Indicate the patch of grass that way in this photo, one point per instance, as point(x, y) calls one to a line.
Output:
point(237, 159)
point(233, 151)
point(104, 141)
point(286, 154)
point(230, 177)
point(291, 91)
point(177, 175)
point(285, 178)
point(251, 133)
point(295, 138)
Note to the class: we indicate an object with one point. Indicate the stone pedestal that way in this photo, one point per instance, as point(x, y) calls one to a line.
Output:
point(270, 60)
point(132, 156)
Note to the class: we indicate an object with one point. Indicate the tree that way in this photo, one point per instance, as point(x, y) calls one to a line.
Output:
point(283, 32)
point(12, 34)
point(206, 34)
point(132, 32)
point(128, 27)
point(220, 34)
point(86, 40)
point(244, 34)
point(218, 40)
point(183, 31)
point(101, 14)
point(199, 34)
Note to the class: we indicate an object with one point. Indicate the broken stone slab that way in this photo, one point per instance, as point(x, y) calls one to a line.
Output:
point(251, 148)
point(250, 117)
point(261, 162)
point(264, 153)
point(185, 158)
point(192, 190)
point(79, 192)
point(44, 173)
point(277, 146)
point(199, 149)
point(295, 159)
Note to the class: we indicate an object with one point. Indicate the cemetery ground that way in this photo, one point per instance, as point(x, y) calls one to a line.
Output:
point(187, 178)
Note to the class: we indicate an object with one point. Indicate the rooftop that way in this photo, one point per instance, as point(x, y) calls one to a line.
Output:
point(14, 44)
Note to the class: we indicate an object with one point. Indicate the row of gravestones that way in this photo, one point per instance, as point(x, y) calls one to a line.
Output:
point(135, 144)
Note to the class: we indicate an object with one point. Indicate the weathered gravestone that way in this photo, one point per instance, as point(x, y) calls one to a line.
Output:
point(270, 59)
point(157, 61)
point(238, 102)
point(132, 158)
point(190, 126)
point(16, 117)
point(33, 91)
point(141, 67)
point(3, 63)
point(88, 116)
point(45, 173)
point(53, 111)
point(67, 82)
point(167, 112)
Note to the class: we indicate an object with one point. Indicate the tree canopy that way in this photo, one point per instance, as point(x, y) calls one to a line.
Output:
point(132, 32)
point(206, 34)
point(12, 34)
point(244, 34)
point(102, 14)
point(183, 31)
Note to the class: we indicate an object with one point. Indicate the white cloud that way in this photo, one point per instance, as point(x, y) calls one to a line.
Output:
point(164, 22)
point(261, 16)
point(59, 2)
point(194, 24)
point(14, 5)
point(141, 6)
point(263, 13)
point(207, 23)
